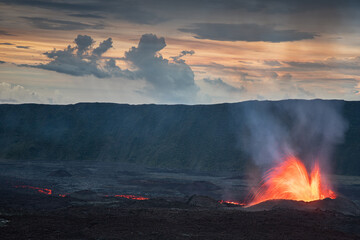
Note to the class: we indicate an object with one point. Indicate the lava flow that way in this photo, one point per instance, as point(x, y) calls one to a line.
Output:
point(232, 202)
point(290, 180)
point(133, 197)
point(46, 191)
point(40, 190)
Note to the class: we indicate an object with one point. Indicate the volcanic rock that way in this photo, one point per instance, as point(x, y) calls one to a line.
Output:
point(340, 204)
point(3, 222)
point(60, 173)
point(203, 201)
point(85, 195)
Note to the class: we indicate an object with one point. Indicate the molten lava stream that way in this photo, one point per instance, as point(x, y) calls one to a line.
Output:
point(40, 190)
point(232, 202)
point(290, 180)
point(132, 197)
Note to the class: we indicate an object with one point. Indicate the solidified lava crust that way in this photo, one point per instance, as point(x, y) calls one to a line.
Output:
point(48, 217)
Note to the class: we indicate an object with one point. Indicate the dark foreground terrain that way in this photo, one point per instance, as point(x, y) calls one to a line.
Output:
point(92, 222)
point(49, 201)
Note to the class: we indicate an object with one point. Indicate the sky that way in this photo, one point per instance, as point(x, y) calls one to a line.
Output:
point(178, 52)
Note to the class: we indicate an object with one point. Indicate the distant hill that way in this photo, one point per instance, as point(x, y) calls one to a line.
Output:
point(174, 136)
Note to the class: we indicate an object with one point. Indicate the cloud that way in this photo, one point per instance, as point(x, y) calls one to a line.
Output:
point(83, 60)
point(6, 43)
point(329, 63)
point(272, 63)
point(219, 83)
point(256, 6)
point(131, 11)
point(286, 77)
point(272, 75)
point(86, 15)
point(11, 93)
point(307, 65)
point(103, 47)
point(53, 24)
point(245, 32)
point(302, 92)
point(24, 47)
point(83, 43)
point(168, 81)
point(5, 33)
point(183, 53)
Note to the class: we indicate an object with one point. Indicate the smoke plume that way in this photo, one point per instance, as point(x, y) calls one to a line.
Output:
point(307, 129)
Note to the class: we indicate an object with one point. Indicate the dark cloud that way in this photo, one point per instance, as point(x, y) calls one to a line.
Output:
point(103, 47)
point(24, 47)
point(5, 33)
point(219, 83)
point(128, 10)
point(86, 15)
point(245, 32)
point(167, 81)
point(53, 24)
point(345, 65)
point(350, 81)
point(272, 63)
point(263, 6)
point(80, 60)
point(307, 65)
point(113, 70)
point(83, 43)
point(183, 53)
point(6, 43)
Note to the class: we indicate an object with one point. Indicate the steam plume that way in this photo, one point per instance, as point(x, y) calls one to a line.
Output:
point(308, 129)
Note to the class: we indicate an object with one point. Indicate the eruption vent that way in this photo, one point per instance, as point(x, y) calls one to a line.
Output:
point(290, 180)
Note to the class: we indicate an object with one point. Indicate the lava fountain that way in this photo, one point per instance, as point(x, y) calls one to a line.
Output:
point(290, 180)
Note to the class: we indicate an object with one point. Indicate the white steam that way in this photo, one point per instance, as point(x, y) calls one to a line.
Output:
point(307, 129)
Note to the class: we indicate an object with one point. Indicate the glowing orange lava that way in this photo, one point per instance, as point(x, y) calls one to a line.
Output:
point(46, 191)
point(131, 197)
point(231, 202)
point(290, 180)
point(40, 190)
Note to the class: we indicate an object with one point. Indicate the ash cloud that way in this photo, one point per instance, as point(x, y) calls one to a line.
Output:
point(307, 129)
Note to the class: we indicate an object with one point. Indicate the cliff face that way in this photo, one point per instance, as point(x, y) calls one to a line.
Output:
point(177, 136)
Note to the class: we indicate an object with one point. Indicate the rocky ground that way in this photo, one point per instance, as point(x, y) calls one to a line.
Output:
point(81, 206)
point(164, 219)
